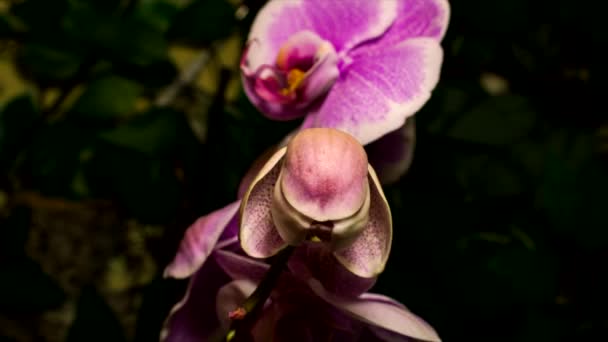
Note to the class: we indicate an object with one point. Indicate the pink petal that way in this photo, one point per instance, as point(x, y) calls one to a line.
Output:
point(240, 267)
point(194, 318)
point(199, 241)
point(343, 23)
point(380, 89)
point(415, 18)
point(367, 255)
point(392, 154)
point(381, 312)
point(258, 235)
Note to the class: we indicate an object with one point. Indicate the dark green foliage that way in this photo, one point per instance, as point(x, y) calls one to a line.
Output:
point(203, 21)
point(95, 320)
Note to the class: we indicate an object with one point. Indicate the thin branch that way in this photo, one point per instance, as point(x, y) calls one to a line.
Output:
point(186, 78)
point(248, 312)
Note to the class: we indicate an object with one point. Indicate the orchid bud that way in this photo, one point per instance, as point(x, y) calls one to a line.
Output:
point(319, 188)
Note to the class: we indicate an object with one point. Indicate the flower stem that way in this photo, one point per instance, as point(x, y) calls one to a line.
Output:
point(255, 302)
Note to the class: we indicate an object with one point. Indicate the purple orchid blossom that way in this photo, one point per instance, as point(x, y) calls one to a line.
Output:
point(360, 66)
point(319, 187)
point(300, 307)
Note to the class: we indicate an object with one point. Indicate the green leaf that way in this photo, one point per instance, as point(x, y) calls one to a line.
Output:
point(147, 187)
point(156, 13)
point(486, 175)
point(95, 321)
point(46, 63)
point(16, 119)
point(6, 28)
point(531, 275)
point(40, 16)
point(498, 120)
point(106, 6)
point(203, 21)
point(154, 133)
point(14, 232)
point(497, 16)
point(108, 97)
point(54, 158)
point(574, 199)
point(26, 288)
point(156, 75)
point(121, 39)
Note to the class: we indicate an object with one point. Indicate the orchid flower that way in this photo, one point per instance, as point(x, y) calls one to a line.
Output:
point(319, 187)
point(299, 307)
point(360, 66)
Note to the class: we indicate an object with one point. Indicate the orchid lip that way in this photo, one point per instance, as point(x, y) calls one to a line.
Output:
point(295, 227)
point(300, 74)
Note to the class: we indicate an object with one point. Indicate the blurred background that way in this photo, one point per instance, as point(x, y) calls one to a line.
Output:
point(122, 121)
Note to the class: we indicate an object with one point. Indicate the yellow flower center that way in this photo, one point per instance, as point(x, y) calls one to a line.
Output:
point(294, 78)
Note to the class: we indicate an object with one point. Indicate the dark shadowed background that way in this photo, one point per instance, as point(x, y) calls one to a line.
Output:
point(122, 121)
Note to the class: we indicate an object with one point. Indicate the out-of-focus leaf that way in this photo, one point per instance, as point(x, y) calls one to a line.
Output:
point(49, 63)
point(40, 16)
point(54, 157)
point(157, 13)
point(95, 321)
point(496, 121)
point(486, 175)
point(16, 118)
point(157, 74)
point(154, 133)
point(203, 21)
point(107, 6)
point(108, 97)
point(531, 275)
point(502, 16)
point(147, 187)
point(26, 288)
point(121, 39)
point(6, 28)
point(575, 200)
point(13, 232)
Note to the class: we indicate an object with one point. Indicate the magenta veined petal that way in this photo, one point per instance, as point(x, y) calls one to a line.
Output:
point(381, 312)
point(415, 18)
point(367, 256)
point(258, 235)
point(343, 23)
point(199, 241)
point(380, 89)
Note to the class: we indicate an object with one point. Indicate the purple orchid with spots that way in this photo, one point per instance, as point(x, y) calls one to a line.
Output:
point(319, 187)
point(300, 307)
point(359, 66)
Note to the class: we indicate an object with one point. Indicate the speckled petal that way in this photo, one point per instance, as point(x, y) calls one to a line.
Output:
point(380, 89)
point(324, 175)
point(199, 241)
point(313, 260)
point(367, 255)
point(258, 235)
